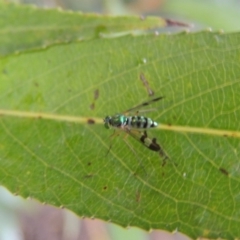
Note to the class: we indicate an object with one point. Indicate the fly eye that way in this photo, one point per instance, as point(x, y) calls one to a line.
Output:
point(106, 122)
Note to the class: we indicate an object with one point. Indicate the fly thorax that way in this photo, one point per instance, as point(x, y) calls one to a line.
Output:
point(118, 120)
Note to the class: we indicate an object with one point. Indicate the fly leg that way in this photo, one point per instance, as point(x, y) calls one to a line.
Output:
point(115, 134)
point(132, 149)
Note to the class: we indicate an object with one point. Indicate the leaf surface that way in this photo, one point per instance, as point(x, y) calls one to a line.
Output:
point(50, 151)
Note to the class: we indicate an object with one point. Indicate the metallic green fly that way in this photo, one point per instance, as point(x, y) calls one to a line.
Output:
point(136, 125)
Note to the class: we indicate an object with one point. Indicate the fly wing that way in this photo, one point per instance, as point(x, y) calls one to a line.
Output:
point(150, 143)
point(139, 107)
point(144, 139)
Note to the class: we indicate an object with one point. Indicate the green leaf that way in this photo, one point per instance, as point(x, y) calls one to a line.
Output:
point(49, 151)
point(27, 27)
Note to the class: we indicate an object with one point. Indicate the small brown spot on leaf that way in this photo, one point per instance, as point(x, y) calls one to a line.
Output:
point(224, 171)
point(138, 197)
point(88, 175)
point(90, 121)
point(36, 84)
point(92, 106)
point(95, 97)
point(96, 94)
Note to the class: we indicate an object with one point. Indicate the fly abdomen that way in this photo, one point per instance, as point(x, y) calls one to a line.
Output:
point(140, 122)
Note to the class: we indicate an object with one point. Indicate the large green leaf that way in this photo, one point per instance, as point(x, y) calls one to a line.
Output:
point(49, 151)
point(27, 27)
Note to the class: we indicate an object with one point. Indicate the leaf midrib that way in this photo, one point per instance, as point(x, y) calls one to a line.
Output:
point(84, 120)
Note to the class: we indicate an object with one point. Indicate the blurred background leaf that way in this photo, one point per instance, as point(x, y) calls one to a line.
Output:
point(27, 28)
